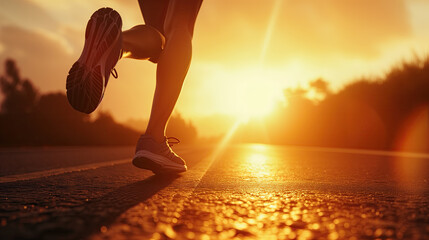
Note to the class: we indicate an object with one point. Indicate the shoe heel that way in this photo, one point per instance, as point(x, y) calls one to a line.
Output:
point(147, 164)
point(84, 88)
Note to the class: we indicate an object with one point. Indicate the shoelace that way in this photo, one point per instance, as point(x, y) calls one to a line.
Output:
point(114, 73)
point(168, 152)
point(171, 143)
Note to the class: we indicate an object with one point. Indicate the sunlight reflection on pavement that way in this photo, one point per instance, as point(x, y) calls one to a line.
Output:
point(267, 192)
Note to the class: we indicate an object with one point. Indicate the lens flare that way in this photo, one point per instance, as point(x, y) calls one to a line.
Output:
point(413, 138)
point(270, 28)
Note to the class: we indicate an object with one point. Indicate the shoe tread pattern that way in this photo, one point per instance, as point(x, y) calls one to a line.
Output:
point(84, 84)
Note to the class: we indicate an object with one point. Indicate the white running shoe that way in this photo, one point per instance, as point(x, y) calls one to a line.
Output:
point(159, 158)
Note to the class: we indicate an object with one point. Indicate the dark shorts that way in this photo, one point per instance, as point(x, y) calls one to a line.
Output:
point(155, 11)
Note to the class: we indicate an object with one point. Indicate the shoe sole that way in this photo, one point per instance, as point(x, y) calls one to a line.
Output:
point(85, 81)
point(157, 163)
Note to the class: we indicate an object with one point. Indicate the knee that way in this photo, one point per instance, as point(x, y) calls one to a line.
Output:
point(151, 35)
point(181, 29)
point(145, 42)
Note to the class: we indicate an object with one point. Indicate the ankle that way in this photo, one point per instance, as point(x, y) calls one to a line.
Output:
point(159, 138)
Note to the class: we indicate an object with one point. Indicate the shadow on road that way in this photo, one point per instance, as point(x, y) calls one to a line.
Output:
point(104, 210)
point(57, 207)
point(72, 220)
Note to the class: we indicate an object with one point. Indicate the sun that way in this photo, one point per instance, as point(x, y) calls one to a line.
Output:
point(249, 92)
point(253, 101)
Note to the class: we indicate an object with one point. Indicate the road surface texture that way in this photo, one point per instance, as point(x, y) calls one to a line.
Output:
point(241, 191)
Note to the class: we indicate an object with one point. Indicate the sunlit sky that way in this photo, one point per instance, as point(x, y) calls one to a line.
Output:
point(245, 51)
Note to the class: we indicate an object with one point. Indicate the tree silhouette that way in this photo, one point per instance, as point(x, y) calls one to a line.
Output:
point(29, 119)
point(368, 113)
point(20, 94)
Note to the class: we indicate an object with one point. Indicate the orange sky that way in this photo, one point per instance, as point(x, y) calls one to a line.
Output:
point(245, 51)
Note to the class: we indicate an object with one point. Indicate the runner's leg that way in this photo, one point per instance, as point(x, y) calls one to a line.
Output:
point(175, 21)
point(173, 62)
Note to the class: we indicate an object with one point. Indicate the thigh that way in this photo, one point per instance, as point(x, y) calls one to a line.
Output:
point(181, 13)
point(154, 13)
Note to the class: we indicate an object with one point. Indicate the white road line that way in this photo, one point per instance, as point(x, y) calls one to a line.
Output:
point(58, 171)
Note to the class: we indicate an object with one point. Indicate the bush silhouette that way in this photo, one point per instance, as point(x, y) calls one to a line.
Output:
point(27, 118)
point(368, 113)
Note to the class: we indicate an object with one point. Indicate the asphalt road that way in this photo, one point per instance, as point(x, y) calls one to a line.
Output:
point(243, 191)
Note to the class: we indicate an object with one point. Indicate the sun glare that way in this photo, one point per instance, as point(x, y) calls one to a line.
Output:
point(252, 101)
point(270, 28)
point(255, 100)
point(250, 92)
point(257, 163)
